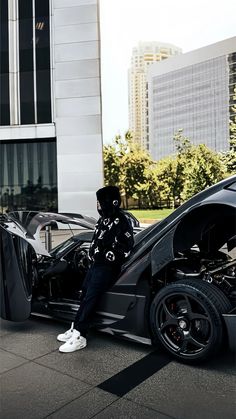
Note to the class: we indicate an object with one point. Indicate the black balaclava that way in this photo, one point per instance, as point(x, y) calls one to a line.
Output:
point(109, 200)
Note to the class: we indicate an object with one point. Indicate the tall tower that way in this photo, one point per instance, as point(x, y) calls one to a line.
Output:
point(144, 55)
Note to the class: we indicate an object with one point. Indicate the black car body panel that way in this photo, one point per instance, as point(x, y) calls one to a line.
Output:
point(34, 221)
point(230, 322)
point(17, 276)
point(187, 245)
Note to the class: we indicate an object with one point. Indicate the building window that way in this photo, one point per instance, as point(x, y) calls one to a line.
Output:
point(26, 69)
point(28, 175)
point(4, 65)
point(43, 79)
point(34, 53)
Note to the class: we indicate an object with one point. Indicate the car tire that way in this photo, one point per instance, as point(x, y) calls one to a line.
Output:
point(186, 318)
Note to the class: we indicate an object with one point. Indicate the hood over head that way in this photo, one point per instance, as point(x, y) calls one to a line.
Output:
point(109, 199)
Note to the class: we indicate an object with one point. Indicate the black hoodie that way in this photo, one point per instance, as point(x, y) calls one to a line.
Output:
point(112, 240)
point(113, 237)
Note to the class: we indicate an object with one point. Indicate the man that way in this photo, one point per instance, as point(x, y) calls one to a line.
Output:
point(111, 245)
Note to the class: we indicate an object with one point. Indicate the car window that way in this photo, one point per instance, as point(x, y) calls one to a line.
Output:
point(59, 250)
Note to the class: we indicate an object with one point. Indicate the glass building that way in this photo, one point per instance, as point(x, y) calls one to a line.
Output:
point(50, 113)
point(194, 93)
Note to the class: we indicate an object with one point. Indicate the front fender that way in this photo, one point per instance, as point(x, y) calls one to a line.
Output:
point(163, 252)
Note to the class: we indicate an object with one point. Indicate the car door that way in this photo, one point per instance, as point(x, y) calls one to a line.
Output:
point(16, 275)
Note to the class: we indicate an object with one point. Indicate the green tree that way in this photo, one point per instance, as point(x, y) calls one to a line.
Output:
point(112, 167)
point(183, 147)
point(124, 165)
point(168, 181)
point(229, 157)
point(135, 163)
point(197, 167)
point(232, 126)
point(203, 170)
point(113, 156)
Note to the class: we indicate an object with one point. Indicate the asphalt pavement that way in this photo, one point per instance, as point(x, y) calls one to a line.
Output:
point(111, 378)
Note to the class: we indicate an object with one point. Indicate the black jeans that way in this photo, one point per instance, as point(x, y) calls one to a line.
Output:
point(98, 279)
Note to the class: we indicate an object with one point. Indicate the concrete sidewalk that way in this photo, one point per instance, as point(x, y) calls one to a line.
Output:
point(39, 382)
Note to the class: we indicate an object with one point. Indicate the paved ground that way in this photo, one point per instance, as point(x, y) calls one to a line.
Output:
point(109, 379)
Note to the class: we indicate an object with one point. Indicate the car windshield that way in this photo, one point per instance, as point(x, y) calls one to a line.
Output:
point(59, 250)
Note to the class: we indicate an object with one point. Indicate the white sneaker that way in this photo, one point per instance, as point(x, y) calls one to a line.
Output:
point(74, 344)
point(64, 337)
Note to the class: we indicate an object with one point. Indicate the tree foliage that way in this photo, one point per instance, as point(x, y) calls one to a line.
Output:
point(203, 170)
point(124, 165)
point(111, 165)
point(167, 182)
point(229, 157)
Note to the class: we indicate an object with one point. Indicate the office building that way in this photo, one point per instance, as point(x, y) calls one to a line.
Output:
point(50, 105)
point(144, 55)
point(192, 92)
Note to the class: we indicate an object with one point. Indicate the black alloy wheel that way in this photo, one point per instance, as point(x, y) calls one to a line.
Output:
point(186, 319)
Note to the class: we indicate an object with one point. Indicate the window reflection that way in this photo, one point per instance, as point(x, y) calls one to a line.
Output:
point(27, 97)
point(28, 180)
point(44, 96)
point(26, 63)
point(43, 77)
point(4, 65)
point(35, 76)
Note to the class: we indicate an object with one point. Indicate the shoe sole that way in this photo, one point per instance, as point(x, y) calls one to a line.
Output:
point(73, 350)
point(63, 340)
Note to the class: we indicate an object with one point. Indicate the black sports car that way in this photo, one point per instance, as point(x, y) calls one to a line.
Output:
point(177, 289)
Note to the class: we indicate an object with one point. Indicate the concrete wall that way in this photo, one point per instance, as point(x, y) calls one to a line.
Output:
point(77, 103)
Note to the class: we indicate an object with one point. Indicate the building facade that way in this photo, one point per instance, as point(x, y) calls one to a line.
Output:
point(50, 105)
point(144, 55)
point(193, 93)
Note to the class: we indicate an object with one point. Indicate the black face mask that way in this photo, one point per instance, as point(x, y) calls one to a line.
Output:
point(100, 212)
point(107, 208)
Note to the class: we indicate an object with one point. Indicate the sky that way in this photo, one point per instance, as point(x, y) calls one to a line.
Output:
point(188, 24)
